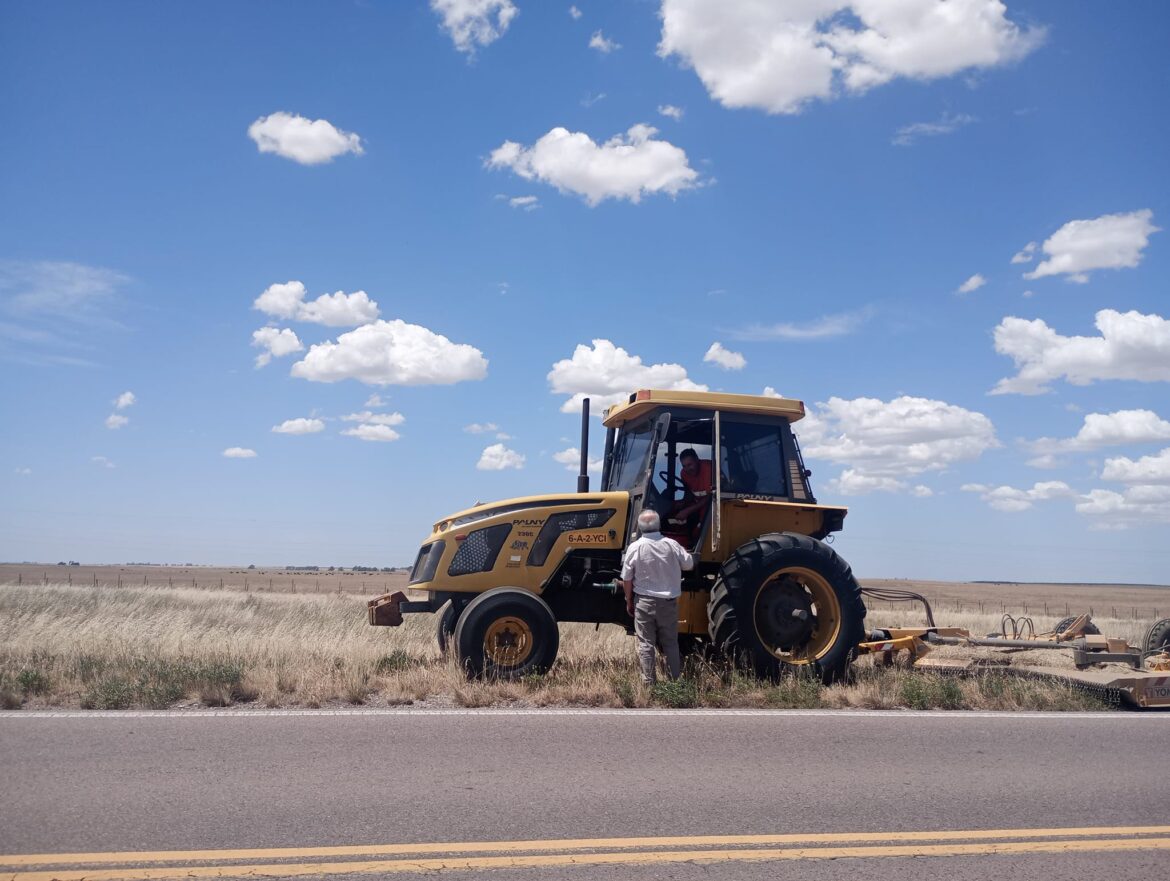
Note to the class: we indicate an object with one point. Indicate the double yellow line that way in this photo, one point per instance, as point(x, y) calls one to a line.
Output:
point(431, 857)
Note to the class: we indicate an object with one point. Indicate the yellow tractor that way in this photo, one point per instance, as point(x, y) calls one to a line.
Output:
point(767, 591)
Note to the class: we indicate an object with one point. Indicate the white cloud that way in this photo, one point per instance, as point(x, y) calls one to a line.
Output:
point(669, 110)
point(333, 310)
point(497, 457)
point(1008, 498)
point(503, 436)
point(1131, 346)
point(478, 428)
point(1135, 506)
point(602, 43)
point(370, 418)
point(626, 166)
point(948, 123)
point(606, 374)
point(124, 400)
point(590, 98)
point(371, 432)
point(1109, 430)
point(770, 392)
point(575, 13)
point(1146, 470)
point(299, 426)
point(884, 442)
point(1026, 254)
point(779, 56)
point(528, 203)
point(115, 421)
point(102, 461)
point(823, 328)
point(375, 400)
point(921, 492)
point(23, 472)
point(472, 23)
point(974, 283)
point(64, 290)
point(1113, 241)
point(392, 353)
point(239, 453)
point(571, 459)
point(275, 343)
point(724, 358)
point(307, 141)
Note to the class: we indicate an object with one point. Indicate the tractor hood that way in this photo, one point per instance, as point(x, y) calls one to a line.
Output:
point(526, 507)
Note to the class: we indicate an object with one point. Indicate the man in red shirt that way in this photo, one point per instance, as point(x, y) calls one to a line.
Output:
point(696, 476)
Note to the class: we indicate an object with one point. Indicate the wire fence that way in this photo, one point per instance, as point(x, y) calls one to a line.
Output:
point(281, 582)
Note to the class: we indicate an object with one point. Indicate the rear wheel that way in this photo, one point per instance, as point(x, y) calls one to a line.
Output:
point(1158, 636)
point(506, 633)
point(787, 600)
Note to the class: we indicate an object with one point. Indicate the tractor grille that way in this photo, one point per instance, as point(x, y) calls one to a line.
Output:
point(427, 562)
point(479, 550)
point(559, 524)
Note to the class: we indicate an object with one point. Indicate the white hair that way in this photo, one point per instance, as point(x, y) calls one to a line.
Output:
point(649, 521)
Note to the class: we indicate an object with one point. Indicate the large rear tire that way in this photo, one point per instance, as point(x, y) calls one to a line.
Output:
point(787, 600)
point(506, 633)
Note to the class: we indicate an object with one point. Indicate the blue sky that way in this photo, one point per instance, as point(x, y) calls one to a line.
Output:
point(835, 198)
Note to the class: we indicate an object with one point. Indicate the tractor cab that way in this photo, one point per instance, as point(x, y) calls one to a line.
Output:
point(744, 465)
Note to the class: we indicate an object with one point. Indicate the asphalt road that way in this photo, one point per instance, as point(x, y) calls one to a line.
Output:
point(866, 789)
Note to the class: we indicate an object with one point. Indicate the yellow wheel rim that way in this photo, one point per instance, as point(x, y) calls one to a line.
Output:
point(796, 589)
point(508, 642)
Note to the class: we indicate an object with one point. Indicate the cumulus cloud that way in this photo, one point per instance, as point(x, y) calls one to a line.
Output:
point(627, 166)
point(724, 358)
point(823, 328)
point(392, 353)
point(948, 123)
point(124, 400)
point(974, 283)
point(307, 141)
point(481, 428)
point(1026, 254)
point(275, 343)
point(777, 57)
point(498, 457)
point(372, 418)
point(669, 110)
point(338, 309)
point(368, 431)
point(884, 442)
point(1113, 241)
point(1109, 430)
point(1008, 498)
point(575, 13)
point(1146, 470)
point(299, 426)
point(474, 23)
point(102, 461)
point(1131, 346)
point(239, 453)
point(770, 392)
point(375, 400)
point(1135, 506)
point(571, 459)
point(606, 374)
point(602, 43)
point(115, 421)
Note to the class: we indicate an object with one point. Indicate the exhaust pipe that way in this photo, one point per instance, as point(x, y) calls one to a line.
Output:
point(583, 476)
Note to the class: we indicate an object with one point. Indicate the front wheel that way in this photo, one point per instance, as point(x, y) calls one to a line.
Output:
point(787, 600)
point(506, 633)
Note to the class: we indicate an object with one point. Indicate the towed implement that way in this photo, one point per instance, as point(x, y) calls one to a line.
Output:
point(725, 474)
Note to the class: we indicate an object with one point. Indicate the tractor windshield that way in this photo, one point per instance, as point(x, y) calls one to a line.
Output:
point(629, 457)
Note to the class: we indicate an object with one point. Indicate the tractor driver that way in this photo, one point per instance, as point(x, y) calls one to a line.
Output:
point(696, 476)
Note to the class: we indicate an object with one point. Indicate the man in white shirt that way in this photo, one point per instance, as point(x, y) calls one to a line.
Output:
point(652, 579)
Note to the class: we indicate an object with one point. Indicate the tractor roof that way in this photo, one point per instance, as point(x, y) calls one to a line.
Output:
point(643, 401)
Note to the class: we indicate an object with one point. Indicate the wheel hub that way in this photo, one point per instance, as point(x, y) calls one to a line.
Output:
point(508, 641)
point(784, 615)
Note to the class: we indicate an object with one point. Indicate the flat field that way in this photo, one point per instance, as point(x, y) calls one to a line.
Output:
point(168, 644)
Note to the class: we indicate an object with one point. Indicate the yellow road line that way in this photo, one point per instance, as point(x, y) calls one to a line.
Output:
point(595, 859)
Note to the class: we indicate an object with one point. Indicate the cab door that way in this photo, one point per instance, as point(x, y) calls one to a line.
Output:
point(639, 492)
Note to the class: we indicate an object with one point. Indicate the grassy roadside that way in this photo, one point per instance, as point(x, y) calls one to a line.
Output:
point(104, 648)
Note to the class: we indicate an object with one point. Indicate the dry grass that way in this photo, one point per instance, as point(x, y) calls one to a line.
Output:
point(70, 646)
